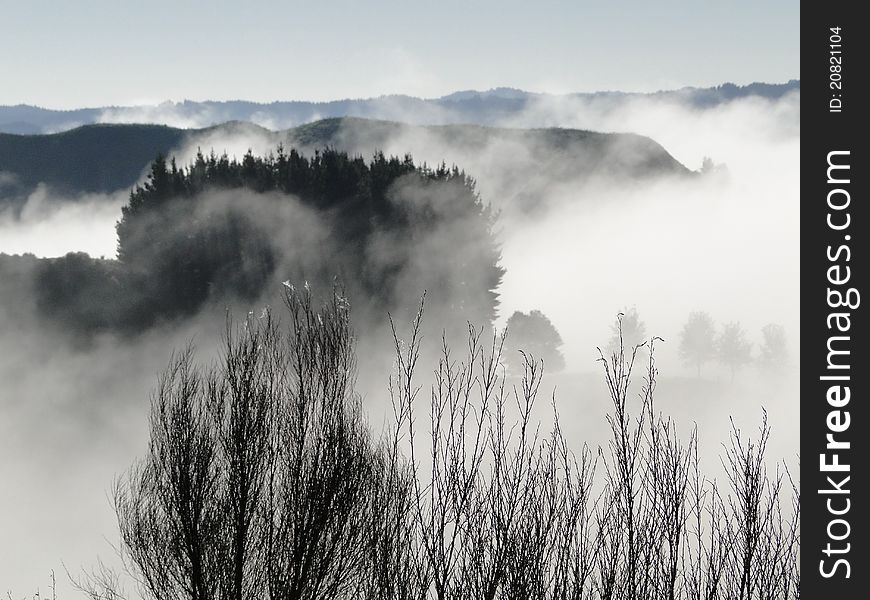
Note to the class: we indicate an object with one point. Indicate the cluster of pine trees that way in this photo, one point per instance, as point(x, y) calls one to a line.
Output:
point(179, 248)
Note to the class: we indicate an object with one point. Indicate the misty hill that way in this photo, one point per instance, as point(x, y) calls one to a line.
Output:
point(96, 158)
point(492, 107)
point(107, 158)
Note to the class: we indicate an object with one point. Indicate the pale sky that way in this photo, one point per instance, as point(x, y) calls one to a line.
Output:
point(65, 54)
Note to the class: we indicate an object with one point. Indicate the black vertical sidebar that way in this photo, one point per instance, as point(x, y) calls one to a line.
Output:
point(835, 371)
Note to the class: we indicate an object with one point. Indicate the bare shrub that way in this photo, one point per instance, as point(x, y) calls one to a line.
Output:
point(262, 476)
point(667, 531)
point(263, 480)
point(501, 510)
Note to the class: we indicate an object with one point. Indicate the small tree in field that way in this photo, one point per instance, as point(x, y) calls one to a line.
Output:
point(732, 348)
point(774, 347)
point(535, 335)
point(698, 340)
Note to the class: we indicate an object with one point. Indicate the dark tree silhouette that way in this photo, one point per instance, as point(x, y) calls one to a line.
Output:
point(534, 334)
point(732, 348)
point(698, 340)
point(77, 289)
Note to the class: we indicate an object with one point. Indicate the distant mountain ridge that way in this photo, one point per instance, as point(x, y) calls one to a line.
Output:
point(108, 158)
point(491, 107)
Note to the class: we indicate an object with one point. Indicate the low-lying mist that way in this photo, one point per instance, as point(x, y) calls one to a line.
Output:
point(580, 250)
point(51, 224)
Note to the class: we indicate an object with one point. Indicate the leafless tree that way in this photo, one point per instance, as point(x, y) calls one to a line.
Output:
point(168, 507)
point(319, 503)
point(500, 509)
point(765, 539)
point(263, 477)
